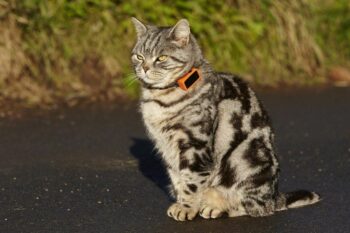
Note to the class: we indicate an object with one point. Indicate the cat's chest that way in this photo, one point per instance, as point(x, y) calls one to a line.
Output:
point(153, 114)
point(156, 117)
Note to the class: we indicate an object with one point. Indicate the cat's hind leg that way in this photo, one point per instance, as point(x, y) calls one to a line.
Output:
point(217, 202)
point(256, 207)
point(213, 204)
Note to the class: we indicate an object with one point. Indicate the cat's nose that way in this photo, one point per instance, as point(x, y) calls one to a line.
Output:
point(145, 67)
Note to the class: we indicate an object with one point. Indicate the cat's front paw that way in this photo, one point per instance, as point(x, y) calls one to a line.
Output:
point(210, 212)
point(181, 213)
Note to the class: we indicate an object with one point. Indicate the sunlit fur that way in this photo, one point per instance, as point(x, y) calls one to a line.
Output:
point(215, 139)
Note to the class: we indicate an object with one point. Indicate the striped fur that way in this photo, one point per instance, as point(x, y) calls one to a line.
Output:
point(216, 139)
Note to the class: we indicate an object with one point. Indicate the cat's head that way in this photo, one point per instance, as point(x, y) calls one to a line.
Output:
point(163, 54)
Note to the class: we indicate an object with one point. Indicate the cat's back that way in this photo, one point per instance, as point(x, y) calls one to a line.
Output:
point(240, 112)
point(236, 91)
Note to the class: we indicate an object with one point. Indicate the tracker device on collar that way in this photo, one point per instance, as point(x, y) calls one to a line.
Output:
point(189, 79)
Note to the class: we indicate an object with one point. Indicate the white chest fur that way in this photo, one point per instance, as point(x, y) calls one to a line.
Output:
point(155, 118)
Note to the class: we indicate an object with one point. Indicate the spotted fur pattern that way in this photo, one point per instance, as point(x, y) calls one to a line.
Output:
point(216, 139)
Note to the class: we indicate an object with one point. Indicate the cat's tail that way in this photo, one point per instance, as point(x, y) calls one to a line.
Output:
point(296, 199)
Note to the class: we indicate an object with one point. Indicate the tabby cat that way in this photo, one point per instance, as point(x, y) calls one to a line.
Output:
point(215, 138)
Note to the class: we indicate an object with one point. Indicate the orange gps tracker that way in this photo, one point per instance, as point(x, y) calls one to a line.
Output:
point(189, 79)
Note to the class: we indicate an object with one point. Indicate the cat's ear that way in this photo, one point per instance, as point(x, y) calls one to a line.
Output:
point(180, 33)
point(140, 27)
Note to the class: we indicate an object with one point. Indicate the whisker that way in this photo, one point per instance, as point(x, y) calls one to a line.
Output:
point(131, 82)
point(130, 79)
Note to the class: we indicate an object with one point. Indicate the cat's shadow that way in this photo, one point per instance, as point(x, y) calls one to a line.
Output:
point(150, 163)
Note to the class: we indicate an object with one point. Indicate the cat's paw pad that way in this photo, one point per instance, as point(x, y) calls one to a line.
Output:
point(210, 212)
point(181, 213)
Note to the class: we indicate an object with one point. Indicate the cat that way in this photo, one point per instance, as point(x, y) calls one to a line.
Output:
point(215, 138)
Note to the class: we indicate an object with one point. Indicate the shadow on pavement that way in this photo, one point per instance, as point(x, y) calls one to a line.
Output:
point(150, 163)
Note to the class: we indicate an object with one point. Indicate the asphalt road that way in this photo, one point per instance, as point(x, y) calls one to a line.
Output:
point(94, 170)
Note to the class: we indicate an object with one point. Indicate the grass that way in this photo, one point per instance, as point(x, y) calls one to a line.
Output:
point(66, 51)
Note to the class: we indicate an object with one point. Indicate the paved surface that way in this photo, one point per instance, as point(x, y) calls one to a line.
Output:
point(95, 171)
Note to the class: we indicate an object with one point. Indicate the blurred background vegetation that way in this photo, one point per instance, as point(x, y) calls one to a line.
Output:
point(68, 51)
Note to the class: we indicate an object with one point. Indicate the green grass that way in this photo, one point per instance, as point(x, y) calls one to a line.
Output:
point(68, 51)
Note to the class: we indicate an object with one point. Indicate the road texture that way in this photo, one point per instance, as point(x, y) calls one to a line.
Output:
point(94, 170)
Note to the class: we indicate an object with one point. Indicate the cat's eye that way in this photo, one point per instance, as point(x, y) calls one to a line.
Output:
point(162, 58)
point(139, 57)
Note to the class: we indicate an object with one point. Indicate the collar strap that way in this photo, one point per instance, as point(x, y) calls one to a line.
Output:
point(189, 79)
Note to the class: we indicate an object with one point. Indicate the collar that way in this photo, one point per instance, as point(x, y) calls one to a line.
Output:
point(189, 79)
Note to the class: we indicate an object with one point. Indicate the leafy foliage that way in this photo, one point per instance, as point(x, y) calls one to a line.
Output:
point(79, 49)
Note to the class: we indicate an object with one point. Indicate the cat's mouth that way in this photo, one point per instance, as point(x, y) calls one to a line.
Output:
point(149, 76)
